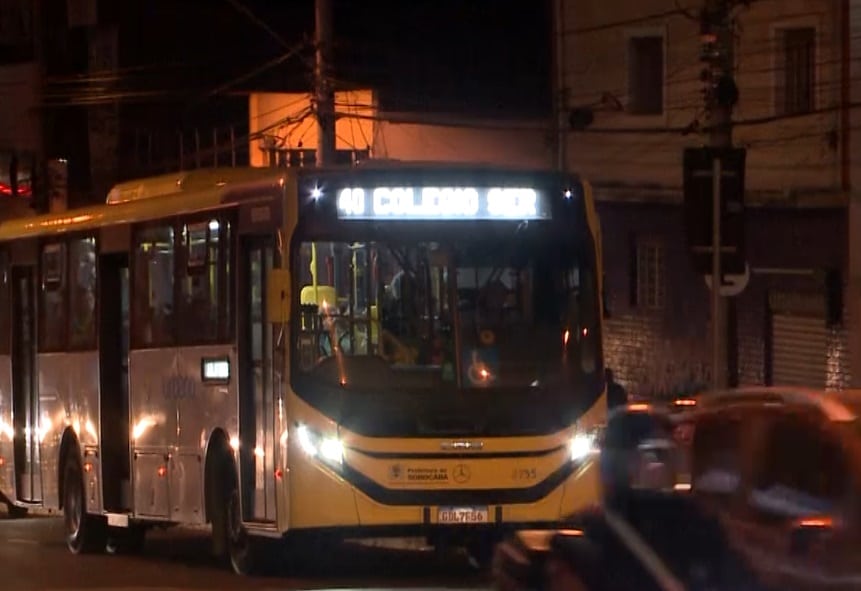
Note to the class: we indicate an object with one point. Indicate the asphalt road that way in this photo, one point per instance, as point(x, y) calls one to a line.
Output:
point(33, 557)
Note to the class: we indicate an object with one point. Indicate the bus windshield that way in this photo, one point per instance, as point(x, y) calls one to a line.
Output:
point(508, 312)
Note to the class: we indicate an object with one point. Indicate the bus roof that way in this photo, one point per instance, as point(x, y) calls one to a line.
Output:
point(186, 182)
point(147, 199)
point(185, 192)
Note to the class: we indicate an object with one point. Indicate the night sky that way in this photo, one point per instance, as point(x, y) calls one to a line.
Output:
point(481, 57)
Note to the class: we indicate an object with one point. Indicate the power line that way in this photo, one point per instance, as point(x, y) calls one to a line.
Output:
point(677, 11)
point(625, 23)
point(239, 6)
point(259, 69)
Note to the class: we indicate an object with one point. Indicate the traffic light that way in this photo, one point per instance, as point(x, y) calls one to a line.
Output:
point(698, 199)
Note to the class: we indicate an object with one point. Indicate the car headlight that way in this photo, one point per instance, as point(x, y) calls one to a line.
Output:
point(328, 449)
point(583, 446)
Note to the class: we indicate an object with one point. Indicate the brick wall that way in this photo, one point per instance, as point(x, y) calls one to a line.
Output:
point(667, 351)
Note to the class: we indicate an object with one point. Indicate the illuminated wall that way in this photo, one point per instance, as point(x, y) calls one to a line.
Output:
point(519, 143)
point(287, 120)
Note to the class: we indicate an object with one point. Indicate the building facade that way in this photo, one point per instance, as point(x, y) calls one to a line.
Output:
point(636, 64)
point(94, 93)
point(283, 132)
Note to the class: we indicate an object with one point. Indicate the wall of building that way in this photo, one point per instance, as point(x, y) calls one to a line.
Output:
point(666, 350)
point(653, 349)
point(636, 163)
point(785, 156)
point(19, 121)
point(854, 271)
point(287, 119)
point(522, 144)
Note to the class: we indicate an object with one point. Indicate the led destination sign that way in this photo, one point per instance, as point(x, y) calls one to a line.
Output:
point(442, 203)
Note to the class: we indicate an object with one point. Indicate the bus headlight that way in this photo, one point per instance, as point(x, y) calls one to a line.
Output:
point(328, 449)
point(583, 446)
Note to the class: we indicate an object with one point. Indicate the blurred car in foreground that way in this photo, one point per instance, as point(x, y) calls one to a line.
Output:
point(782, 467)
point(745, 489)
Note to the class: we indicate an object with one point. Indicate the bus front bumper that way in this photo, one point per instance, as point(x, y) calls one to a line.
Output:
point(346, 506)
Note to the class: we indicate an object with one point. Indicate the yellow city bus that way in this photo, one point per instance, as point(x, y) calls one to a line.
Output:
point(386, 350)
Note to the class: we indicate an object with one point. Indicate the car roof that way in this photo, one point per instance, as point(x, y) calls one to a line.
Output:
point(839, 406)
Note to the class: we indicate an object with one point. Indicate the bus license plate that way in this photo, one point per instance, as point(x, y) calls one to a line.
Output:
point(463, 515)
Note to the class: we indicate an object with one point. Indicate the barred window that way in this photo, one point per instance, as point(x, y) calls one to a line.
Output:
point(795, 71)
point(650, 275)
point(646, 75)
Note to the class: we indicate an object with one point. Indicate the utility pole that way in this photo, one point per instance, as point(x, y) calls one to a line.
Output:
point(721, 95)
point(324, 93)
point(560, 119)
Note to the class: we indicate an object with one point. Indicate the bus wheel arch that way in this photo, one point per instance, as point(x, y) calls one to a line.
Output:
point(230, 539)
point(85, 533)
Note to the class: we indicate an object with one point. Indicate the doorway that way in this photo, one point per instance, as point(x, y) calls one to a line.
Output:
point(114, 381)
point(25, 396)
point(256, 382)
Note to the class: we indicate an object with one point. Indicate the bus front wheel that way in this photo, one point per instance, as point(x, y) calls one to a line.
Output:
point(237, 544)
point(85, 533)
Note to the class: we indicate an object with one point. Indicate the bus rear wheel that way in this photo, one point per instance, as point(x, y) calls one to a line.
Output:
point(85, 533)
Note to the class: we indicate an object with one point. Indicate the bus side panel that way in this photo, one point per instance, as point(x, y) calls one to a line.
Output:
point(213, 405)
point(69, 396)
point(174, 411)
point(7, 456)
point(156, 379)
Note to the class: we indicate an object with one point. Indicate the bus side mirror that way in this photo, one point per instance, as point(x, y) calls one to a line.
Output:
point(278, 296)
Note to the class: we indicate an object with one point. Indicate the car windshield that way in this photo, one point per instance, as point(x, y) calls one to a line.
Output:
point(469, 314)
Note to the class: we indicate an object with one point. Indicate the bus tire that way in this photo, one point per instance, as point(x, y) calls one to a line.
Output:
point(85, 533)
point(127, 540)
point(16, 512)
point(238, 544)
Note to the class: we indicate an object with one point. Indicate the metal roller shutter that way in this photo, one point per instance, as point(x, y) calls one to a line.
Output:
point(799, 350)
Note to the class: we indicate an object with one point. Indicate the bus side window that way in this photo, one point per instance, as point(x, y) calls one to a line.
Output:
point(205, 280)
point(153, 305)
point(5, 304)
point(82, 302)
point(52, 326)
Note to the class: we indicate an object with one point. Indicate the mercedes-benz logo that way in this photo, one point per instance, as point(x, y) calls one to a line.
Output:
point(461, 473)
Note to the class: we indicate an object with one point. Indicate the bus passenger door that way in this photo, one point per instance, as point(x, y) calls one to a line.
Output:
point(114, 381)
point(25, 391)
point(257, 378)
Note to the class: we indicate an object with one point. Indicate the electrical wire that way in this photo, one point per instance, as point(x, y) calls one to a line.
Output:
point(295, 50)
point(624, 23)
point(240, 7)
